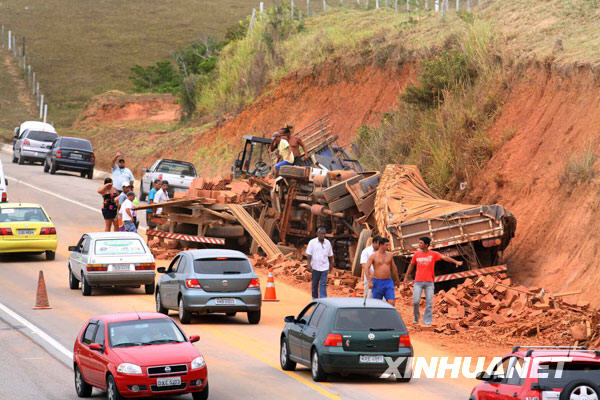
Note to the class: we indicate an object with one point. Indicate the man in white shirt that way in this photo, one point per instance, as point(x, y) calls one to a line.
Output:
point(120, 173)
point(320, 259)
point(127, 213)
point(364, 257)
point(162, 195)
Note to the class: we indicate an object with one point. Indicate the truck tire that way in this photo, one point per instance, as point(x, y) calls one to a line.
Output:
point(363, 238)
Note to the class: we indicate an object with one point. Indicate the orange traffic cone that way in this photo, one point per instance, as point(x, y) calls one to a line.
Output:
point(41, 297)
point(270, 294)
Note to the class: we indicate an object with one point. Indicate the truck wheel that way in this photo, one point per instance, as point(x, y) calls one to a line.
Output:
point(363, 238)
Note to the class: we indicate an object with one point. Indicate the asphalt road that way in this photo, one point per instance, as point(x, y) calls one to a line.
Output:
point(243, 360)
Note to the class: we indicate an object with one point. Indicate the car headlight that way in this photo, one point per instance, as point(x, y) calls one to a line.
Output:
point(127, 368)
point(198, 362)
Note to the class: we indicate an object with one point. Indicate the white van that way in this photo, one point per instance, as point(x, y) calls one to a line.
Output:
point(3, 183)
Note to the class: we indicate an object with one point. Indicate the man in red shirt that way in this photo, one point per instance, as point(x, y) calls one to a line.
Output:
point(425, 260)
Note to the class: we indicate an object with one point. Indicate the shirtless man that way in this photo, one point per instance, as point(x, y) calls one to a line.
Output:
point(295, 144)
point(385, 270)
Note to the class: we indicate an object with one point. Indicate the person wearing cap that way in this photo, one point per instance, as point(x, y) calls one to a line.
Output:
point(120, 174)
point(319, 254)
point(425, 260)
point(127, 213)
point(281, 142)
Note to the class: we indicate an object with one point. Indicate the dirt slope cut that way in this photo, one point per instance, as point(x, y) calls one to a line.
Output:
point(548, 118)
point(351, 98)
point(116, 106)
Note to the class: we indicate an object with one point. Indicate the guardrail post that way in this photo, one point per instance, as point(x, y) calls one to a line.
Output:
point(9, 39)
point(45, 112)
point(292, 6)
point(41, 106)
point(33, 84)
point(468, 5)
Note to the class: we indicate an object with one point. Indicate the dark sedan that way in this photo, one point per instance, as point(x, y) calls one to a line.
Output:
point(71, 154)
point(347, 336)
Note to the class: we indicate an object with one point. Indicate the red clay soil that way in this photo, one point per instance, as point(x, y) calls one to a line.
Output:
point(351, 98)
point(549, 118)
point(116, 106)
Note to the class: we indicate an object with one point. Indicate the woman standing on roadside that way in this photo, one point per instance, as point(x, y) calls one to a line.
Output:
point(109, 208)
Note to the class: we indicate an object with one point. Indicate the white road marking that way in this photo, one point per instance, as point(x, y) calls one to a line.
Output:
point(54, 194)
point(43, 335)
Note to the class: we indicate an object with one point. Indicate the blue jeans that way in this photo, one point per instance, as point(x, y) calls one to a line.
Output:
point(281, 164)
point(129, 226)
point(319, 284)
point(417, 291)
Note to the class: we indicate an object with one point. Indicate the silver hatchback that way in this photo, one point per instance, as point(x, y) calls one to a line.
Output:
point(111, 259)
point(209, 281)
point(33, 146)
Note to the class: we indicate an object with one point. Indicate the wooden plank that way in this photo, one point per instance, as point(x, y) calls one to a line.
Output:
point(340, 189)
point(261, 223)
point(182, 202)
point(254, 229)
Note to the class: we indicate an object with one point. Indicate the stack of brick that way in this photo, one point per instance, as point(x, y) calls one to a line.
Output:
point(499, 309)
point(221, 191)
point(165, 249)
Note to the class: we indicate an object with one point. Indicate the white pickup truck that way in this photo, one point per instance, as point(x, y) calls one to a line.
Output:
point(179, 174)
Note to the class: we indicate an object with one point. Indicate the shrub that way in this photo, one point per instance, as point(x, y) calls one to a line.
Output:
point(580, 168)
point(159, 78)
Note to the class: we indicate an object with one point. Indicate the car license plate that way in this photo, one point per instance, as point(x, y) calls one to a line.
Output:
point(366, 359)
point(76, 156)
point(26, 231)
point(174, 381)
point(121, 267)
point(225, 301)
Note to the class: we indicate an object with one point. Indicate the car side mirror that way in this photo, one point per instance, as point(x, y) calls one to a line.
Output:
point(73, 248)
point(483, 376)
point(161, 270)
point(290, 319)
point(96, 346)
point(194, 338)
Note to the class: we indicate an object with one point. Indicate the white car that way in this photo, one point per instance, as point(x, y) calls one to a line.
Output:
point(111, 259)
point(3, 185)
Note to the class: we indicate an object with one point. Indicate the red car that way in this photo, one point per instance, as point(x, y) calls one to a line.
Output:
point(137, 355)
point(542, 373)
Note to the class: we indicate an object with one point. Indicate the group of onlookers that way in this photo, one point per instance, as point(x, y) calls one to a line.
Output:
point(120, 201)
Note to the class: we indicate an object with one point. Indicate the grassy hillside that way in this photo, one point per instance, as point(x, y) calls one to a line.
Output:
point(80, 48)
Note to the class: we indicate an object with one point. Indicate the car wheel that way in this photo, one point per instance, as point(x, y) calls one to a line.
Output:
point(46, 167)
point(184, 315)
point(581, 389)
point(159, 306)
point(90, 173)
point(52, 167)
point(50, 255)
point(231, 314)
point(284, 357)
point(73, 282)
point(318, 374)
point(21, 160)
point(83, 174)
point(254, 317)
point(86, 290)
point(203, 395)
point(149, 289)
point(14, 159)
point(81, 387)
point(112, 393)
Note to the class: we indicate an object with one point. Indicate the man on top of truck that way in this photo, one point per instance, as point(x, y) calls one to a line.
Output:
point(425, 260)
point(295, 144)
point(384, 269)
point(281, 141)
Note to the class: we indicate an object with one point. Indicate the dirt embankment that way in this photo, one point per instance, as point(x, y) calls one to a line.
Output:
point(351, 96)
point(116, 106)
point(548, 118)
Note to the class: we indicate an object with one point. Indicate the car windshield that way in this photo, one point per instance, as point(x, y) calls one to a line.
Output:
point(366, 319)
point(80, 144)
point(558, 375)
point(118, 247)
point(222, 265)
point(42, 136)
point(144, 332)
point(176, 168)
point(25, 214)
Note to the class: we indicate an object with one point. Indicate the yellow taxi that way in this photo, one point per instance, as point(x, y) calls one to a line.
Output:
point(26, 228)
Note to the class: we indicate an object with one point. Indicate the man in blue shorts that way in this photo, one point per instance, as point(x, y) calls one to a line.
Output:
point(385, 274)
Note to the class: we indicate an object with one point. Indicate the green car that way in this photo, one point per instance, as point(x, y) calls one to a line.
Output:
point(347, 335)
